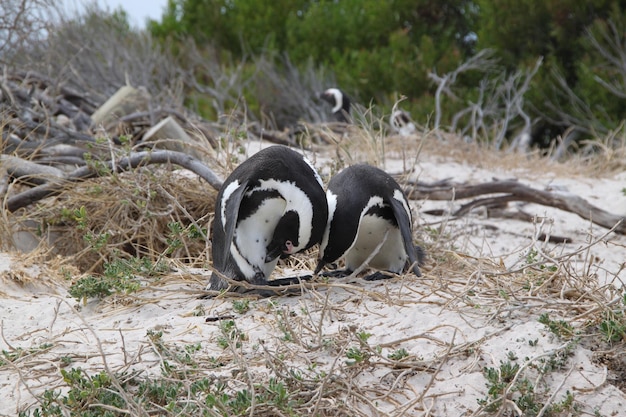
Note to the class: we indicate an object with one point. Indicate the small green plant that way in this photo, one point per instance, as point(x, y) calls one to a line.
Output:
point(96, 241)
point(174, 238)
point(498, 381)
point(119, 276)
point(278, 395)
point(356, 355)
point(78, 215)
point(566, 404)
point(613, 324)
point(560, 328)
point(241, 306)
point(184, 355)
point(18, 353)
point(161, 392)
point(398, 355)
point(230, 335)
point(363, 337)
point(194, 232)
point(91, 287)
point(96, 393)
point(199, 311)
point(284, 318)
point(531, 256)
point(557, 360)
point(510, 383)
point(99, 167)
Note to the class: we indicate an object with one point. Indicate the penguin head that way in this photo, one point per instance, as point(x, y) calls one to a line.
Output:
point(338, 244)
point(285, 240)
point(401, 123)
point(334, 244)
point(340, 102)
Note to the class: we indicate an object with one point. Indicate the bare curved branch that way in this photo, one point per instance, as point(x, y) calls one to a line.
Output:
point(133, 161)
point(515, 191)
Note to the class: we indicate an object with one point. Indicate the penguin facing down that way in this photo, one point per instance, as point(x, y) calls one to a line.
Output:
point(401, 123)
point(272, 205)
point(340, 102)
point(368, 211)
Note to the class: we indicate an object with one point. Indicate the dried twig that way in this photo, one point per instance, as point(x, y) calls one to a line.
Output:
point(130, 162)
point(516, 191)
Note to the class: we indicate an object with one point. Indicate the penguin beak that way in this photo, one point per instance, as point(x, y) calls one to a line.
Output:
point(320, 264)
point(273, 254)
point(283, 252)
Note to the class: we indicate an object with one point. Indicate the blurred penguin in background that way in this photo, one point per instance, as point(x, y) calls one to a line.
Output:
point(340, 104)
point(401, 123)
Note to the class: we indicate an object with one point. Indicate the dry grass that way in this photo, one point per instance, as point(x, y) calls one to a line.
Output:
point(126, 214)
point(321, 353)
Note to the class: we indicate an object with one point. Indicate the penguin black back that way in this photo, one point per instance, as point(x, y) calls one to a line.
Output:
point(340, 103)
point(365, 204)
point(272, 205)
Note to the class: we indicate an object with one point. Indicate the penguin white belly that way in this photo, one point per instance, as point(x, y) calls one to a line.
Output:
point(390, 257)
point(252, 236)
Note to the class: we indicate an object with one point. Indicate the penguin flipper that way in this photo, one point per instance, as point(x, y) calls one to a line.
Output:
point(404, 223)
point(232, 207)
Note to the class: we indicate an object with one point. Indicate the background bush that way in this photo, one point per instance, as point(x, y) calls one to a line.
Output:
point(549, 68)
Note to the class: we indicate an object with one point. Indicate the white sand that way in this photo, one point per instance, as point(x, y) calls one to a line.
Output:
point(434, 318)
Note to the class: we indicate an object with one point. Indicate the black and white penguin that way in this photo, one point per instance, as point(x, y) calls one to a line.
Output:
point(366, 207)
point(340, 102)
point(401, 123)
point(272, 205)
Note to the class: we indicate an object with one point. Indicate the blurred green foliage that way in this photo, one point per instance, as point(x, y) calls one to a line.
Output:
point(382, 49)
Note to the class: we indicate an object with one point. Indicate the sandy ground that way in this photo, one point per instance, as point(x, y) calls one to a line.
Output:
point(455, 325)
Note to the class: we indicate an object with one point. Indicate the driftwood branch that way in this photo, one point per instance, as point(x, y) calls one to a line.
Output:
point(30, 171)
point(515, 191)
point(133, 161)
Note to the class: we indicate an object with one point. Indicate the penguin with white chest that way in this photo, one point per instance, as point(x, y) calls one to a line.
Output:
point(401, 123)
point(368, 212)
point(272, 205)
point(340, 104)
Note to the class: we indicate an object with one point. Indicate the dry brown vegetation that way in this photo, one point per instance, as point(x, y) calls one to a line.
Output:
point(341, 348)
point(105, 301)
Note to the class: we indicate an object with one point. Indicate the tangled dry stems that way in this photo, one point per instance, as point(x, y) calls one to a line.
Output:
point(305, 340)
point(125, 214)
point(298, 333)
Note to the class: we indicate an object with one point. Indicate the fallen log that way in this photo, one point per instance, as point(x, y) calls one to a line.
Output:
point(168, 134)
point(512, 190)
point(125, 101)
point(29, 171)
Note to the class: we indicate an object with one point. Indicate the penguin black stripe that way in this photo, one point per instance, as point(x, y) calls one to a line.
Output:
point(365, 204)
point(384, 212)
point(252, 200)
point(272, 205)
